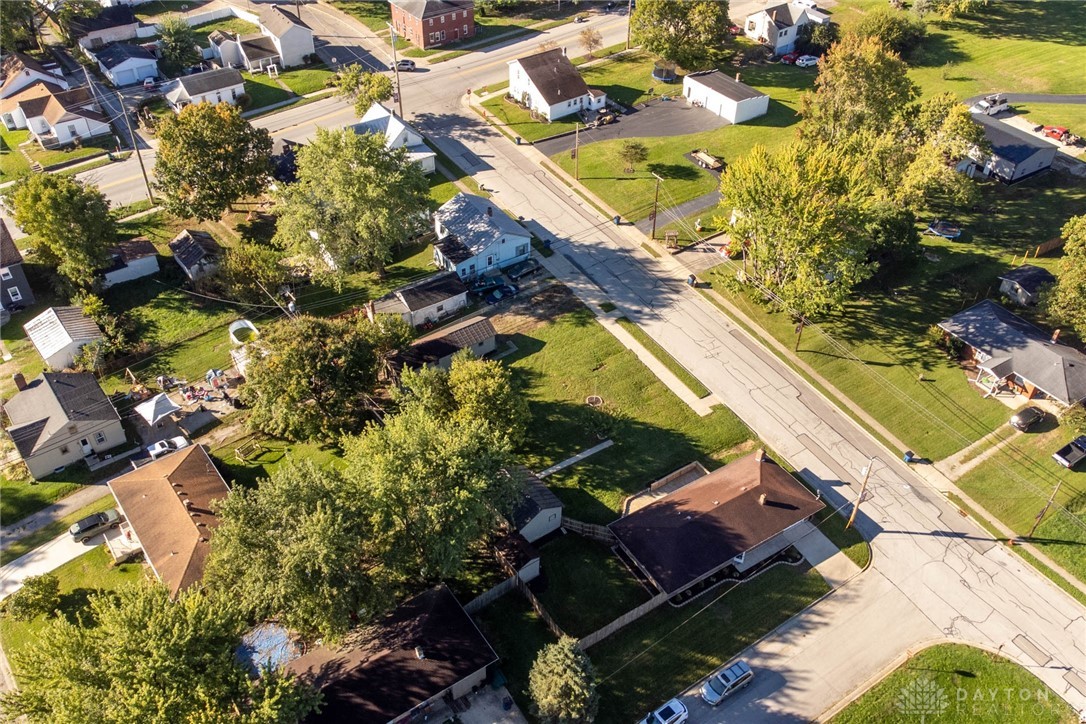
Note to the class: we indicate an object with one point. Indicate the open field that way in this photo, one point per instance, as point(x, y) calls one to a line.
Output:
point(306, 80)
point(979, 688)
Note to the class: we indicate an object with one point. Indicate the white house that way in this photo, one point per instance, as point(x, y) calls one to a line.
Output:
point(474, 237)
point(725, 96)
point(196, 252)
point(777, 26)
point(59, 333)
point(551, 85)
point(113, 24)
point(130, 260)
point(126, 64)
point(292, 38)
point(53, 116)
point(398, 134)
point(429, 300)
point(19, 70)
point(222, 85)
point(1015, 153)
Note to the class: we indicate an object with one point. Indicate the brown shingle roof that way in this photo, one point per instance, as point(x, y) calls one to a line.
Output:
point(702, 526)
point(168, 504)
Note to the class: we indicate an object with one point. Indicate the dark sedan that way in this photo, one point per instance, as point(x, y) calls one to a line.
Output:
point(503, 292)
point(1026, 418)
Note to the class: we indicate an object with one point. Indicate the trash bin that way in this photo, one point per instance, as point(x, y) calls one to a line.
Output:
point(617, 220)
point(908, 456)
point(546, 243)
point(516, 139)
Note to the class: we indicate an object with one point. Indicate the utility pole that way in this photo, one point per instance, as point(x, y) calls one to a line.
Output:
point(863, 489)
point(396, 68)
point(655, 205)
point(799, 327)
point(131, 133)
point(629, 22)
point(576, 151)
point(1044, 510)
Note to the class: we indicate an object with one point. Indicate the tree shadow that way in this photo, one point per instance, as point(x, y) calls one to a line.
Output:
point(1054, 22)
point(675, 171)
point(937, 49)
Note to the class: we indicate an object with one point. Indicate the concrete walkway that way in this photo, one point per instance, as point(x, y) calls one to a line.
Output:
point(827, 559)
point(576, 458)
point(973, 455)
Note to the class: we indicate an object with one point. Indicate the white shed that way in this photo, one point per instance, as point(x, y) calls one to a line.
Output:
point(539, 513)
point(131, 260)
point(429, 300)
point(730, 99)
point(59, 333)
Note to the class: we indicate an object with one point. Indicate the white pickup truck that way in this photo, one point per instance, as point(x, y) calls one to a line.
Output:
point(991, 105)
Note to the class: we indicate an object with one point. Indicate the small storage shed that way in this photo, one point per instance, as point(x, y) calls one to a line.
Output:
point(539, 513)
point(130, 260)
point(727, 97)
point(429, 300)
point(59, 333)
point(1025, 283)
point(196, 252)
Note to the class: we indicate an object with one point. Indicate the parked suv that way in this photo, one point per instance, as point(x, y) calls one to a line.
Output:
point(673, 712)
point(92, 525)
point(165, 447)
point(725, 682)
point(523, 269)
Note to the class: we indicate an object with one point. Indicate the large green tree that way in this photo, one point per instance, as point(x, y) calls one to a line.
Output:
point(208, 158)
point(388, 335)
point(362, 87)
point(308, 377)
point(562, 684)
point(72, 10)
point(71, 222)
point(296, 548)
point(177, 44)
point(897, 30)
point(432, 486)
point(1066, 300)
point(355, 200)
point(141, 657)
point(19, 28)
point(250, 272)
point(803, 209)
point(688, 32)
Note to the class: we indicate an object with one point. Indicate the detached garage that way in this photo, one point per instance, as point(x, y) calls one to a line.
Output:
point(733, 101)
point(126, 64)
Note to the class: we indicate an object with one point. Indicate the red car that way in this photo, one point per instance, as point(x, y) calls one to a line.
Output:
point(1057, 132)
point(789, 58)
point(735, 30)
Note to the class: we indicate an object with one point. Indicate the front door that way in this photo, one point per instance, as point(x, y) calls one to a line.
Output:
point(87, 449)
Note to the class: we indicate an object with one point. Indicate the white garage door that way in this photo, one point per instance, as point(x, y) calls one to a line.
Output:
point(124, 77)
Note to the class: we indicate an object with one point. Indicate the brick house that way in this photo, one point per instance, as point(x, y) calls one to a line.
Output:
point(430, 23)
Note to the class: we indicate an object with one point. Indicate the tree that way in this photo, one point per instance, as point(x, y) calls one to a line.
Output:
point(688, 32)
point(948, 8)
point(307, 378)
point(362, 87)
point(803, 209)
point(249, 269)
point(39, 596)
point(140, 656)
point(296, 548)
point(20, 27)
point(433, 487)
point(817, 38)
point(388, 335)
point(591, 40)
point(633, 153)
point(1065, 300)
point(72, 224)
point(860, 84)
point(354, 201)
point(208, 158)
point(895, 242)
point(72, 10)
point(898, 31)
point(562, 684)
point(177, 44)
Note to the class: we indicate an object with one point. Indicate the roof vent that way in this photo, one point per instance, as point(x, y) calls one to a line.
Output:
point(489, 211)
point(761, 499)
point(188, 504)
point(203, 539)
point(419, 654)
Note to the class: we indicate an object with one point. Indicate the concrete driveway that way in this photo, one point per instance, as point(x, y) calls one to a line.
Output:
point(48, 557)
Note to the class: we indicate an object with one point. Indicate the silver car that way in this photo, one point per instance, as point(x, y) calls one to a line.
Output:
point(673, 712)
point(725, 682)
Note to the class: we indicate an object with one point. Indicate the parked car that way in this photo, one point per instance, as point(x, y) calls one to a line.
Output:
point(485, 285)
point(1072, 453)
point(148, 84)
point(165, 447)
point(408, 66)
point(673, 712)
point(92, 525)
point(806, 61)
point(789, 58)
point(503, 292)
point(1026, 418)
point(807, 4)
point(725, 682)
point(736, 29)
point(523, 269)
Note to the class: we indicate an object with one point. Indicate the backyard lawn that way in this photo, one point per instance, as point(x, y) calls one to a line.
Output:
point(262, 455)
point(264, 90)
point(977, 688)
point(147, 10)
point(519, 122)
point(562, 363)
point(517, 634)
point(20, 498)
point(233, 25)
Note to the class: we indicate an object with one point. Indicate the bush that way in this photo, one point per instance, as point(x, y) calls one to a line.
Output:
point(244, 101)
point(1074, 419)
point(39, 596)
point(898, 31)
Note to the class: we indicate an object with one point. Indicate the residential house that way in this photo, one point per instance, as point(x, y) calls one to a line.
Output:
point(735, 517)
point(1010, 353)
point(1016, 154)
point(196, 252)
point(55, 117)
point(125, 64)
point(113, 24)
point(426, 301)
point(59, 333)
point(292, 38)
point(222, 85)
point(725, 96)
point(430, 23)
point(253, 52)
point(130, 260)
point(61, 418)
point(426, 651)
point(539, 512)
point(379, 120)
point(777, 27)
point(549, 84)
point(1025, 283)
point(437, 349)
point(19, 70)
point(14, 288)
point(169, 510)
point(474, 237)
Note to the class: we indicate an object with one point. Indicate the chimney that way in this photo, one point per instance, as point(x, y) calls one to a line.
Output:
point(736, 77)
point(761, 499)
point(773, 17)
point(419, 653)
point(489, 212)
point(760, 455)
point(19, 380)
point(1055, 336)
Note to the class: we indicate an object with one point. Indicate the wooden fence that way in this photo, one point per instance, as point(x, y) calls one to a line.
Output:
point(538, 606)
point(624, 620)
point(599, 533)
point(681, 472)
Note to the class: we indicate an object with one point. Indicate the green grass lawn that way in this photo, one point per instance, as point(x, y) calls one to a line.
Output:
point(586, 586)
point(562, 363)
point(261, 460)
point(163, 314)
point(1055, 114)
point(91, 147)
point(979, 688)
point(232, 25)
point(685, 376)
point(374, 15)
point(20, 498)
point(517, 634)
point(306, 80)
point(148, 10)
point(43, 535)
point(91, 573)
point(441, 189)
point(13, 164)
point(693, 644)
point(264, 90)
point(518, 121)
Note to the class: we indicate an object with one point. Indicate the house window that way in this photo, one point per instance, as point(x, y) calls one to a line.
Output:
point(15, 294)
point(522, 249)
point(784, 32)
point(431, 37)
point(233, 94)
point(72, 132)
point(100, 438)
point(490, 261)
point(442, 35)
point(465, 30)
point(471, 269)
point(5, 274)
point(441, 307)
point(465, 16)
point(750, 26)
point(431, 22)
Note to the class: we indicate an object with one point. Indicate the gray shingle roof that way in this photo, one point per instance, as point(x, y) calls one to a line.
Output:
point(476, 222)
point(52, 401)
point(725, 85)
point(786, 15)
point(210, 80)
point(554, 76)
point(429, 8)
point(435, 347)
point(9, 253)
point(192, 246)
point(1031, 278)
point(278, 21)
point(1017, 346)
point(432, 290)
point(537, 498)
point(1008, 142)
point(116, 53)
